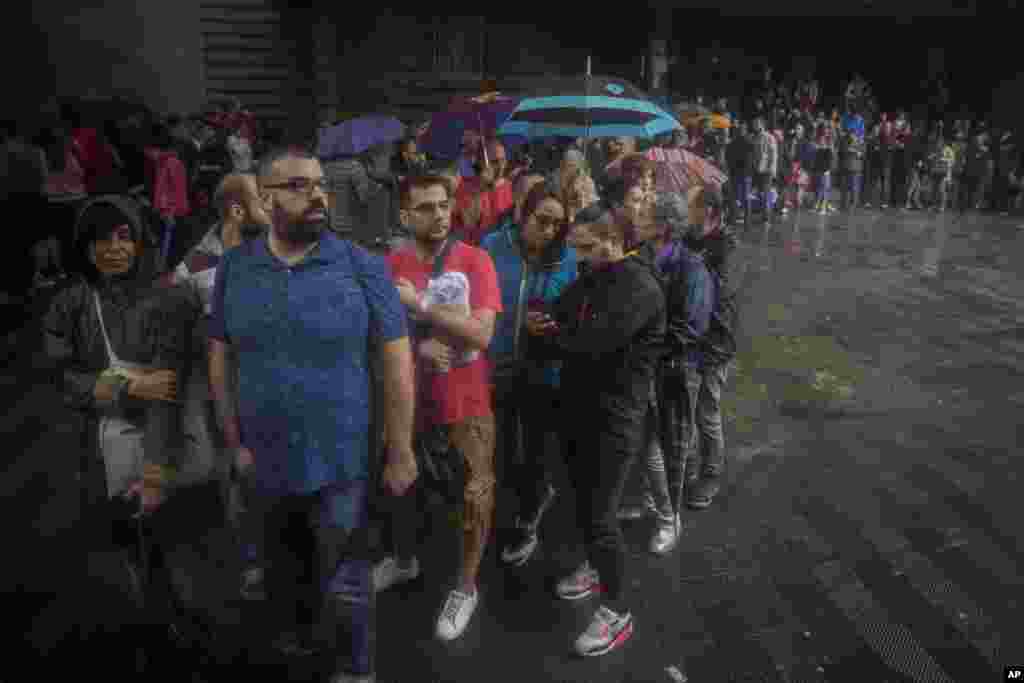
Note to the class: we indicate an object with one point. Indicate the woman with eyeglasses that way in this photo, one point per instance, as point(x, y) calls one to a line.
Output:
point(534, 267)
point(608, 328)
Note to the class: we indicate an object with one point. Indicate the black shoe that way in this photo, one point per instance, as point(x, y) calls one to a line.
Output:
point(701, 496)
point(291, 644)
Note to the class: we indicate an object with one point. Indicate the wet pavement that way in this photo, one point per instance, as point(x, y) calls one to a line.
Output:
point(869, 530)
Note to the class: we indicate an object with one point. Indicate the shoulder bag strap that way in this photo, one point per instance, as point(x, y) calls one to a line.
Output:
point(113, 359)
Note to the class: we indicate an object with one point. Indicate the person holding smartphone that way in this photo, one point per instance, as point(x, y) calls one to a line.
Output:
point(534, 266)
point(608, 328)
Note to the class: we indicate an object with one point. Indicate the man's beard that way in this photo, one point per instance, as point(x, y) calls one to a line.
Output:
point(304, 231)
point(252, 230)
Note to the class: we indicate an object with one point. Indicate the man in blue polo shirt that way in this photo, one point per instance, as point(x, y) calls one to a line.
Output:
point(300, 312)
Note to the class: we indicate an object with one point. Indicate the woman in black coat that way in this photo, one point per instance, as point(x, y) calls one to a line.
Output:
point(120, 342)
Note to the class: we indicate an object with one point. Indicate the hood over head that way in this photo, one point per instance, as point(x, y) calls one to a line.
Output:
point(100, 215)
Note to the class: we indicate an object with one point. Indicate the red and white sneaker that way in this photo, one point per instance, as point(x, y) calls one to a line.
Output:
point(580, 584)
point(606, 632)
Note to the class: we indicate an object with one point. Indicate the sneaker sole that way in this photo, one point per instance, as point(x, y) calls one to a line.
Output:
point(519, 561)
point(616, 642)
point(698, 504)
point(586, 594)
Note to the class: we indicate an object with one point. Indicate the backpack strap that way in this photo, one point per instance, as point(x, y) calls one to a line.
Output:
point(442, 256)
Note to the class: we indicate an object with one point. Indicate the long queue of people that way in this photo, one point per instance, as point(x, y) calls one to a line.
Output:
point(296, 375)
point(506, 314)
point(794, 154)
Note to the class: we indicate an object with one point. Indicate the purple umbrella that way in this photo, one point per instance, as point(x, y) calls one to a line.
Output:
point(355, 136)
point(483, 114)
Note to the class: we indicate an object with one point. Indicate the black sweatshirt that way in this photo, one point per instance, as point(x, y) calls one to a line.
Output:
point(611, 334)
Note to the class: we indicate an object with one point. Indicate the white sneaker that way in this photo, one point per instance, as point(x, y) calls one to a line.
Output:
point(455, 615)
point(388, 574)
point(606, 632)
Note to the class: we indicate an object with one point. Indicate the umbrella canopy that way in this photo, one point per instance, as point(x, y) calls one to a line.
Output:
point(684, 109)
point(588, 107)
point(483, 114)
point(355, 136)
point(677, 171)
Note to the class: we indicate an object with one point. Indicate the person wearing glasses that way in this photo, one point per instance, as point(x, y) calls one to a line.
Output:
point(453, 379)
point(300, 311)
point(534, 266)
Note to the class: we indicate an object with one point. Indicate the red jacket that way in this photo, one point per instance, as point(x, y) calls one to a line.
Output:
point(169, 182)
point(94, 156)
point(493, 204)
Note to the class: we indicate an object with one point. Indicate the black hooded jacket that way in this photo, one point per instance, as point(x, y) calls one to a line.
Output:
point(611, 338)
point(146, 323)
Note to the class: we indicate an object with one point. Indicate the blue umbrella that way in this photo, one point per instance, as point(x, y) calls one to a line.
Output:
point(355, 136)
point(588, 107)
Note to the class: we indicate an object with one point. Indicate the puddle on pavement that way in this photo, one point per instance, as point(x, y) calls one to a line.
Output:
point(805, 374)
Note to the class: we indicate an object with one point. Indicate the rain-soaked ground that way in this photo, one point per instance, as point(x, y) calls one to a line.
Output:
point(869, 531)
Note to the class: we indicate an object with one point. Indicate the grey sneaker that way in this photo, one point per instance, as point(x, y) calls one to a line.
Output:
point(520, 551)
point(580, 584)
point(388, 574)
point(642, 510)
point(252, 585)
point(666, 537)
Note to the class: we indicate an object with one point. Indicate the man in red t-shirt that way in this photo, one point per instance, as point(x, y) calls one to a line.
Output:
point(453, 389)
point(481, 200)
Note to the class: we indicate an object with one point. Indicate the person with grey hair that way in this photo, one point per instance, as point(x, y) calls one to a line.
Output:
point(573, 183)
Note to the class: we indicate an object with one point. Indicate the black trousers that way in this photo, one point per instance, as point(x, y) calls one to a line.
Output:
point(901, 175)
point(527, 416)
point(602, 447)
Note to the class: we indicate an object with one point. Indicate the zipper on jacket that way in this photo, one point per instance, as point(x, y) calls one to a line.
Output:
point(520, 308)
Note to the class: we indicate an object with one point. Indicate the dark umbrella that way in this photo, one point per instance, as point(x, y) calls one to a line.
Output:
point(483, 114)
point(355, 136)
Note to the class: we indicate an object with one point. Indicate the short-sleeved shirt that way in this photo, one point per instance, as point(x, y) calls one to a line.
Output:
point(462, 392)
point(300, 334)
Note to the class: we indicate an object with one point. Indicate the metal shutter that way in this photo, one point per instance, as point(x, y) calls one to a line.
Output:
point(244, 56)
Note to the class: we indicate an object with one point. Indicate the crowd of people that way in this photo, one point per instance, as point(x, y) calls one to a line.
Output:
point(78, 148)
point(310, 353)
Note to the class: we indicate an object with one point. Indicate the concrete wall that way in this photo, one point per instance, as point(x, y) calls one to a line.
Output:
point(148, 48)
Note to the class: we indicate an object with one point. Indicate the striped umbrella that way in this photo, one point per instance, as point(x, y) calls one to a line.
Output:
point(588, 107)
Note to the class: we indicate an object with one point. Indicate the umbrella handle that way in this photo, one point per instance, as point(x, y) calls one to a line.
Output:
point(483, 141)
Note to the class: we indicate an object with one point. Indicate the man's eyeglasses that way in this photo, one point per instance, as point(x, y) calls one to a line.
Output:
point(300, 185)
point(430, 208)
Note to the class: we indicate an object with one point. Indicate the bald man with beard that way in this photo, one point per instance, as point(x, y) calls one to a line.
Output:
point(242, 217)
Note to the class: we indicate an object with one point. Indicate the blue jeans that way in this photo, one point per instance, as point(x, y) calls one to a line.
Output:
point(167, 241)
point(743, 186)
point(852, 189)
point(317, 561)
point(822, 186)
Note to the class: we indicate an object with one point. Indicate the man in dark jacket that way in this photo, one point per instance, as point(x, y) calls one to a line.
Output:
point(740, 158)
point(977, 169)
point(713, 356)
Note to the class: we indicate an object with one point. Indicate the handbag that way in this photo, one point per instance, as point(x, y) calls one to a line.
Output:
point(440, 465)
